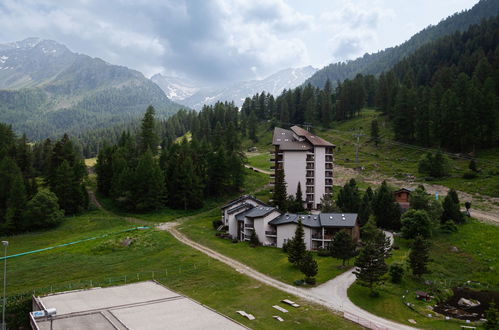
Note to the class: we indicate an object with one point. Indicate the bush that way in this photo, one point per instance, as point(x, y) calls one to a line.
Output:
point(321, 252)
point(416, 222)
point(285, 247)
point(310, 280)
point(216, 224)
point(435, 165)
point(448, 227)
point(234, 240)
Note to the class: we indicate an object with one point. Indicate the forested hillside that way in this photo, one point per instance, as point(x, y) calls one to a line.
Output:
point(384, 60)
point(38, 184)
point(47, 90)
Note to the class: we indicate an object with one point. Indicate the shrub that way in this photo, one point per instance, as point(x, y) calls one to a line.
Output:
point(310, 280)
point(298, 282)
point(448, 227)
point(285, 247)
point(416, 222)
point(321, 252)
point(216, 224)
point(234, 240)
point(435, 165)
point(254, 241)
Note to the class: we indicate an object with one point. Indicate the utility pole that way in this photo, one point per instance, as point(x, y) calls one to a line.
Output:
point(5, 244)
point(358, 135)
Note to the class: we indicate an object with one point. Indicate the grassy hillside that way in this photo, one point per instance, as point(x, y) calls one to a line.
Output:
point(390, 158)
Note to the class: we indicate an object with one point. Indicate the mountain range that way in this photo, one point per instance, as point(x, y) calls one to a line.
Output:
point(384, 60)
point(195, 96)
point(46, 90)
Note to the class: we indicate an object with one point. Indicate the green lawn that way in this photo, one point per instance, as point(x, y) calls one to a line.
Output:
point(259, 160)
point(476, 260)
point(268, 260)
point(107, 262)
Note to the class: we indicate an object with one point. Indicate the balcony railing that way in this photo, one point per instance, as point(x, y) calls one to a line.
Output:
point(310, 190)
point(329, 174)
point(329, 182)
point(329, 151)
point(310, 182)
point(270, 233)
point(249, 226)
point(329, 159)
point(310, 174)
point(310, 166)
point(310, 158)
point(329, 166)
point(319, 236)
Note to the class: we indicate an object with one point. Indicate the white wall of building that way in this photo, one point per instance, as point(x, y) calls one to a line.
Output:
point(287, 232)
point(262, 225)
point(294, 170)
point(320, 174)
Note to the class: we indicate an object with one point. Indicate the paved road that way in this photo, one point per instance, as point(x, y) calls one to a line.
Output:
point(332, 294)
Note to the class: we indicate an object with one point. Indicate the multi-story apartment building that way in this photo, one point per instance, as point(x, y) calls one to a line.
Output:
point(305, 158)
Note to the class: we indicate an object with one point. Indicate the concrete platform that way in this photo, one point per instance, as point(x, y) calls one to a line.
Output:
point(143, 305)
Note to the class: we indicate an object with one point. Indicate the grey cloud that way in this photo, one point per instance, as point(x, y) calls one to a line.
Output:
point(347, 48)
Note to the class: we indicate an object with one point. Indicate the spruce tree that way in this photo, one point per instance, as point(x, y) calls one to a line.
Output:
point(375, 132)
point(419, 256)
point(386, 211)
point(297, 247)
point(365, 209)
point(327, 204)
point(299, 200)
point(349, 197)
point(254, 241)
point(148, 191)
point(371, 264)
point(148, 137)
point(343, 247)
point(451, 209)
point(16, 202)
point(308, 266)
point(280, 196)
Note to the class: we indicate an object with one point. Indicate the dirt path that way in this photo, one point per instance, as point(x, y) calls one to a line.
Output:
point(258, 169)
point(332, 295)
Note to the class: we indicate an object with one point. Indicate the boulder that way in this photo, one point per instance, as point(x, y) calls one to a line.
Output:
point(468, 302)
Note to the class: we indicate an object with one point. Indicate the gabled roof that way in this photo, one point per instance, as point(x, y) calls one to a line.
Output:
point(409, 190)
point(239, 208)
point(318, 220)
point(256, 212)
point(313, 139)
point(241, 199)
point(285, 140)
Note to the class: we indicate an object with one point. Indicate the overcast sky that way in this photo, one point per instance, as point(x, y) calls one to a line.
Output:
point(222, 40)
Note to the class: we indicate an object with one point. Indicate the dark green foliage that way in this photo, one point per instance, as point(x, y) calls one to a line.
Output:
point(416, 223)
point(349, 197)
point(279, 198)
point(365, 208)
point(308, 266)
point(254, 241)
point(419, 257)
point(385, 210)
point(296, 246)
point(492, 317)
point(472, 166)
point(370, 263)
point(419, 199)
point(435, 165)
point(148, 185)
point(396, 273)
point(375, 132)
point(299, 200)
point(43, 211)
point(327, 204)
point(16, 197)
point(343, 247)
point(452, 209)
point(448, 227)
point(148, 137)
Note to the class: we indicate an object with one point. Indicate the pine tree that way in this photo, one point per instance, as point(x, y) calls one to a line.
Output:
point(371, 264)
point(280, 196)
point(43, 211)
point(375, 132)
point(308, 266)
point(386, 211)
point(148, 137)
point(299, 200)
point(349, 197)
point(254, 241)
point(416, 223)
point(419, 256)
point(396, 273)
point(16, 202)
point(451, 209)
point(147, 191)
point(297, 247)
point(343, 247)
point(365, 209)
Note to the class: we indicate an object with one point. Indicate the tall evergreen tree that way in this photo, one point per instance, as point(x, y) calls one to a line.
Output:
point(375, 132)
point(419, 256)
point(279, 195)
point(343, 247)
point(308, 266)
point(148, 191)
point(365, 208)
point(371, 264)
point(386, 211)
point(297, 247)
point(349, 197)
point(148, 136)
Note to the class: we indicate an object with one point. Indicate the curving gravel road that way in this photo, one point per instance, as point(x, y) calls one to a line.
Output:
point(332, 294)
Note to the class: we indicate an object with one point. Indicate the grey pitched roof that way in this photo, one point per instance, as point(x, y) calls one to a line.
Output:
point(317, 220)
point(242, 198)
point(285, 140)
point(239, 208)
point(255, 212)
point(313, 139)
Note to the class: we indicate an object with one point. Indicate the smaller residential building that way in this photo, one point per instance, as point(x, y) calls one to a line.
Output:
point(246, 214)
point(402, 198)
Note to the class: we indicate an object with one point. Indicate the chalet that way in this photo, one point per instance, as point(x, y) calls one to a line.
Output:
point(246, 214)
point(402, 197)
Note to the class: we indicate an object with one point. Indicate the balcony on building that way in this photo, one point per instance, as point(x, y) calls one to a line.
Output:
point(310, 158)
point(328, 190)
point(329, 174)
point(310, 166)
point(310, 190)
point(329, 182)
point(329, 159)
point(271, 233)
point(329, 151)
point(329, 166)
point(310, 174)
point(310, 182)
